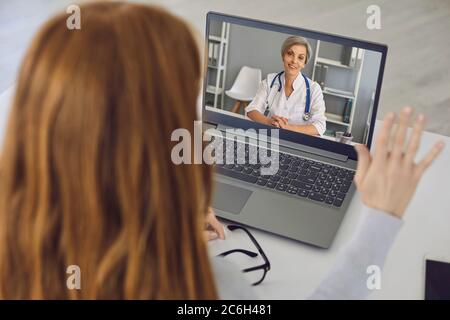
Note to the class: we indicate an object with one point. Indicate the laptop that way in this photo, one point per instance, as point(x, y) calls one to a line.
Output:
point(306, 198)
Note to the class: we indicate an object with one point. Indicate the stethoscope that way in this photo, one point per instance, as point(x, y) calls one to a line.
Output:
point(306, 114)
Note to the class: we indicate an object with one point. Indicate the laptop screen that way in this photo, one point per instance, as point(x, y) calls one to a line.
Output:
point(308, 83)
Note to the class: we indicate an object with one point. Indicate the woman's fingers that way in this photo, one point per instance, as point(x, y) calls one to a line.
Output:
point(210, 235)
point(280, 120)
point(214, 224)
point(400, 133)
point(414, 141)
point(382, 144)
point(364, 161)
point(429, 158)
point(284, 121)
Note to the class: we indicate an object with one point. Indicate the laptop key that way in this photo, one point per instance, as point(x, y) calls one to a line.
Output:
point(350, 176)
point(271, 184)
point(292, 175)
point(301, 185)
point(337, 202)
point(340, 196)
point(237, 175)
point(292, 190)
point(303, 193)
point(302, 172)
point(275, 178)
point(344, 188)
point(238, 168)
point(281, 187)
point(306, 179)
point(284, 173)
point(261, 182)
point(316, 196)
point(329, 200)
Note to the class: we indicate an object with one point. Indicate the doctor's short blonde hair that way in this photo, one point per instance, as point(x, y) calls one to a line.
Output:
point(296, 40)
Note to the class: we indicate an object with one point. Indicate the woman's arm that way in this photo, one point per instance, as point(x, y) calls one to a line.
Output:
point(255, 110)
point(282, 122)
point(387, 182)
point(303, 128)
point(259, 117)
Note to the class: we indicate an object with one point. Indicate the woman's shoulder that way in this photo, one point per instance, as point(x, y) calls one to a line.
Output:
point(270, 77)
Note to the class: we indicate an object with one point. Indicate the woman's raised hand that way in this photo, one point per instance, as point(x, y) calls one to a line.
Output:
point(387, 181)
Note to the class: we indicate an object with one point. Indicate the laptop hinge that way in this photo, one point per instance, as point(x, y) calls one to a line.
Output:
point(296, 146)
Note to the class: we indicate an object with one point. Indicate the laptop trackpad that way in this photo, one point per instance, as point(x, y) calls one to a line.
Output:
point(230, 198)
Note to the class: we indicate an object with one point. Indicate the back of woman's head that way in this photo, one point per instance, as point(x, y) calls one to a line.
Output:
point(86, 173)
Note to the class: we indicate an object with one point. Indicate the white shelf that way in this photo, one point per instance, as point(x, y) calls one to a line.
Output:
point(214, 90)
point(216, 67)
point(217, 39)
point(338, 93)
point(323, 68)
point(217, 60)
point(332, 63)
point(337, 119)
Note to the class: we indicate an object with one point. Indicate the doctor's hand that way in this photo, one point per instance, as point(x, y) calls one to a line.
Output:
point(387, 181)
point(213, 228)
point(280, 122)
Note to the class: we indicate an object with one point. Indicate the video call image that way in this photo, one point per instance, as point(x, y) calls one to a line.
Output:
point(305, 85)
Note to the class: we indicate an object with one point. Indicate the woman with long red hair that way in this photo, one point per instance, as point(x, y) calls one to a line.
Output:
point(86, 176)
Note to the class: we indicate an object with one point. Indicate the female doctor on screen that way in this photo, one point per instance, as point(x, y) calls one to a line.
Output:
point(288, 99)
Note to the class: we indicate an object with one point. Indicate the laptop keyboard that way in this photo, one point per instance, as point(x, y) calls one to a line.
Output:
point(305, 178)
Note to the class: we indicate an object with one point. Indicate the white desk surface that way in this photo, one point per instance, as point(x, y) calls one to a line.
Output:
point(297, 268)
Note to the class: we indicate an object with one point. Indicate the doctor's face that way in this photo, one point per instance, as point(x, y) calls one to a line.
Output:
point(294, 60)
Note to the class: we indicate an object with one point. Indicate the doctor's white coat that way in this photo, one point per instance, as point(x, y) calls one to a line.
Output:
point(293, 107)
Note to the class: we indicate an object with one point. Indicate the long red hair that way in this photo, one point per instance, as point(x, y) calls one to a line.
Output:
point(86, 176)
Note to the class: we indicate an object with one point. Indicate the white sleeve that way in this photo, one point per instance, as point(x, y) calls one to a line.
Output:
point(348, 277)
point(318, 118)
point(259, 101)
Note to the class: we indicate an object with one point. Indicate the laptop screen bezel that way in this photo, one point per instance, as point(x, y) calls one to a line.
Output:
point(311, 141)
